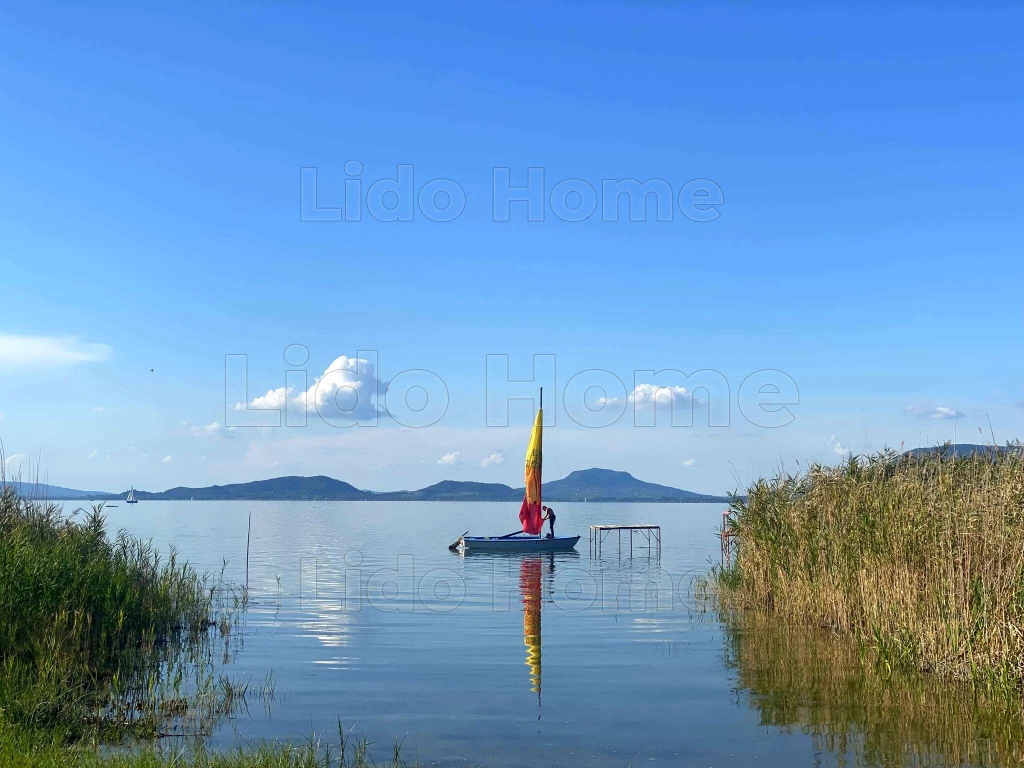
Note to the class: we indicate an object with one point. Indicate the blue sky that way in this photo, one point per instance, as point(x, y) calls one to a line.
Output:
point(868, 246)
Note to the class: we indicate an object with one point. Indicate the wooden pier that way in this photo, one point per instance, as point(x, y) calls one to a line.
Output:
point(650, 533)
point(727, 535)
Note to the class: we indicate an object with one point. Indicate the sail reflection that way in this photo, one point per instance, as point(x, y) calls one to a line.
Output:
point(530, 571)
point(536, 579)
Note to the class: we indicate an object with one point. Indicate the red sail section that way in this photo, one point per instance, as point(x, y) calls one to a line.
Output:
point(531, 517)
point(530, 514)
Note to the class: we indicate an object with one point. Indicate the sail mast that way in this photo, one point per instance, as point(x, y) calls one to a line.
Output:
point(540, 468)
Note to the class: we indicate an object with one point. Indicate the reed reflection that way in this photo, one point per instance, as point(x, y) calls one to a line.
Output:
point(805, 680)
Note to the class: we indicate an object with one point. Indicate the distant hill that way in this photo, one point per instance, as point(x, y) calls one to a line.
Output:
point(589, 484)
point(291, 488)
point(55, 492)
point(963, 449)
point(597, 485)
point(455, 490)
point(609, 485)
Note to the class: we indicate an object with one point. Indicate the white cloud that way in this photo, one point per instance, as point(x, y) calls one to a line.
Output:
point(495, 459)
point(16, 350)
point(689, 462)
point(450, 459)
point(837, 446)
point(651, 395)
point(213, 429)
point(97, 409)
point(274, 399)
point(93, 454)
point(344, 390)
point(932, 412)
point(167, 459)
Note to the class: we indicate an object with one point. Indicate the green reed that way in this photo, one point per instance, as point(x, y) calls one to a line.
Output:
point(19, 751)
point(92, 626)
point(103, 639)
point(921, 559)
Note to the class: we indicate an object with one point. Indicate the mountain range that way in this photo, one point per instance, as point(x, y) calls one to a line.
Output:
point(55, 492)
point(961, 450)
point(582, 485)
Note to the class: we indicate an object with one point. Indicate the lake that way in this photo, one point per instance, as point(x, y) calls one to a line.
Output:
point(361, 613)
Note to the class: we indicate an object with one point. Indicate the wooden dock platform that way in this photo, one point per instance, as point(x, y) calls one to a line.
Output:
point(727, 535)
point(651, 533)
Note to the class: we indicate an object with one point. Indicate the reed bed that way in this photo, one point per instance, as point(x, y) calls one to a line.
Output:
point(315, 752)
point(92, 627)
point(105, 643)
point(921, 559)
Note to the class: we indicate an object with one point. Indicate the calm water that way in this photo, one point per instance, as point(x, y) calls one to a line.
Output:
point(363, 614)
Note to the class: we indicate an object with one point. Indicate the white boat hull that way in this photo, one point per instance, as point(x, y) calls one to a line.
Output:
point(518, 543)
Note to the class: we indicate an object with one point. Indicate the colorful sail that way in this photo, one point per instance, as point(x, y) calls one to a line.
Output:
point(530, 514)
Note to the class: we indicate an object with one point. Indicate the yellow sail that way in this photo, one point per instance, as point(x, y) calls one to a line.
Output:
point(534, 459)
point(530, 512)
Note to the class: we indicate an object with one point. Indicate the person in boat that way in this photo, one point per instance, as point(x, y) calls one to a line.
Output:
point(549, 515)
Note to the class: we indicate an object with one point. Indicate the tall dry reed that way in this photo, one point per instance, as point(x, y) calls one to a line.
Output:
point(920, 558)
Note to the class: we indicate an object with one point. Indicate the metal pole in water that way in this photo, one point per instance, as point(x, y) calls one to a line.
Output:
point(248, 537)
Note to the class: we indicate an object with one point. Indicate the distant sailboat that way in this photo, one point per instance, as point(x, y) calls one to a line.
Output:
point(131, 497)
point(529, 539)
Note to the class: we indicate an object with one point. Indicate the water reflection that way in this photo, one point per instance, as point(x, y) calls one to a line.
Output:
point(632, 668)
point(536, 585)
point(803, 680)
point(530, 585)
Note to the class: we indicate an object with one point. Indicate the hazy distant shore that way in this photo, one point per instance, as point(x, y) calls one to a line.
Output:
point(591, 485)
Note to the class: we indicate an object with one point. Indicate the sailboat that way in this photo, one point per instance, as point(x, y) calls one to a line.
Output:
point(530, 539)
point(131, 497)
